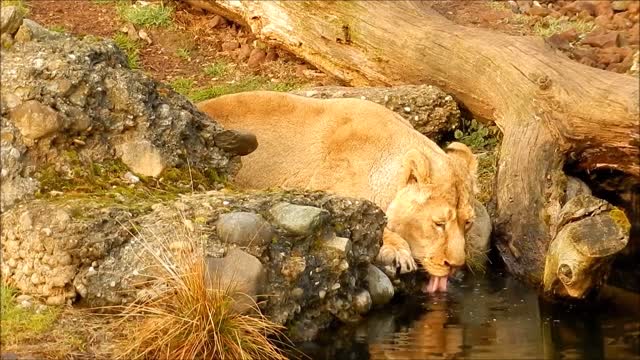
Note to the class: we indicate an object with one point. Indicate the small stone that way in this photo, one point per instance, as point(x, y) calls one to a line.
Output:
point(10, 19)
point(407, 109)
point(539, 11)
point(322, 294)
point(112, 284)
point(335, 287)
point(25, 221)
point(47, 231)
point(244, 229)
point(35, 120)
point(244, 52)
point(24, 297)
point(299, 219)
point(343, 245)
point(362, 302)
point(6, 40)
point(230, 45)
point(218, 22)
point(256, 58)
point(25, 304)
point(35, 279)
point(380, 287)
point(297, 292)
point(602, 40)
point(620, 5)
point(56, 300)
point(239, 271)
point(142, 157)
point(130, 178)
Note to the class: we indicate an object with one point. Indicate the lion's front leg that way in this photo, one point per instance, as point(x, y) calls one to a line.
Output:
point(395, 252)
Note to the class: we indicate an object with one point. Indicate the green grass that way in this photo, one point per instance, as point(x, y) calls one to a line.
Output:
point(549, 26)
point(217, 69)
point(184, 54)
point(249, 84)
point(152, 15)
point(58, 29)
point(130, 47)
point(20, 324)
point(20, 4)
point(182, 85)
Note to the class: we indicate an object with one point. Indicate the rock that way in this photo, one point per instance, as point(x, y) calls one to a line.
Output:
point(478, 237)
point(298, 219)
point(241, 273)
point(131, 178)
point(620, 5)
point(362, 302)
point(35, 120)
point(380, 287)
point(634, 7)
point(56, 300)
point(6, 40)
point(10, 20)
point(142, 157)
point(30, 30)
point(431, 111)
point(635, 66)
point(256, 58)
point(340, 244)
point(236, 142)
point(244, 229)
point(230, 45)
point(218, 22)
point(244, 52)
point(602, 40)
point(612, 55)
point(23, 297)
point(633, 35)
point(576, 187)
point(577, 6)
point(601, 7)
point(539, 11)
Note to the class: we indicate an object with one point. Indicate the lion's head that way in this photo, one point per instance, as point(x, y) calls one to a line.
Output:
point(433, 207)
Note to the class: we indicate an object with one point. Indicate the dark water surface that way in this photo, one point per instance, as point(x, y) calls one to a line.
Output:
point(491, 317)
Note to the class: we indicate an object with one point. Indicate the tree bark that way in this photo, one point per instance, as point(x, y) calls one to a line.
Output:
point(549, 107)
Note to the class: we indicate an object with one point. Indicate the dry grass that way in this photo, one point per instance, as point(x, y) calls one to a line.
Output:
point(184, 319)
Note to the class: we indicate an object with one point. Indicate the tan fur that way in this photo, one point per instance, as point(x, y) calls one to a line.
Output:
point(357, 148)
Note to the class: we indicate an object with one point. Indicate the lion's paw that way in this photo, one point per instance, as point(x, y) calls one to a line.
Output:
point(401, 259)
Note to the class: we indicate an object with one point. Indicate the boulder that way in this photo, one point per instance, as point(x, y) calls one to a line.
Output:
point(70, 104)
point(430, 110)
point(98, 250)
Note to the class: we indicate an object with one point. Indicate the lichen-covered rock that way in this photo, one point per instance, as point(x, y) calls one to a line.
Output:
point(61, 95)
point(430, 110)
point(100, 251)
point(244, 229)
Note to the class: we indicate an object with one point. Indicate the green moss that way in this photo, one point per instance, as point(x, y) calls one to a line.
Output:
point(620, 218)
point(19, 324)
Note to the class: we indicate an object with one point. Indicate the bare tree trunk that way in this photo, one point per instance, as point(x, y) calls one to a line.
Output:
point(548, 107)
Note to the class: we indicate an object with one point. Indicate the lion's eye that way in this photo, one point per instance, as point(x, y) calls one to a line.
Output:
point(440, 224)
point(468, 224)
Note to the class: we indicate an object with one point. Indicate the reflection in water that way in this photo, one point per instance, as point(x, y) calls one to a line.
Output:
point(486, 318)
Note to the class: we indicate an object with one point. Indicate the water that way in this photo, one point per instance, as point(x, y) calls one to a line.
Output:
point(493, 317)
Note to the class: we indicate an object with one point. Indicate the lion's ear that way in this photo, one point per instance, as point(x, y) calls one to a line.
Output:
point(415, 168)
point(462, 152)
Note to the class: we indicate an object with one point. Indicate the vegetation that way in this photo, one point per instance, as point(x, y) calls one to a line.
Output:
point(186, 87)
point(19, 4)
point(130, 47)
point(150, 15)
point(184, 54)
point(186, 318)
point(217, 69)
point(548, 26)
point(19, 323)
point(58, 29)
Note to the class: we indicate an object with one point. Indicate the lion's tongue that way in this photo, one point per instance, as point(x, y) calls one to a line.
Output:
point(437, 283)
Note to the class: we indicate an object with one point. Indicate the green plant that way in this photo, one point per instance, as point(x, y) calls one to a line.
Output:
point(477, 136)
point(19, 324)
point(153, 14)
point(58, 29)
point(130, 47)
point(188, 316)
point(548, 26)
point(19, 4)
point(184, 54)
point(217, 69)
point(248, 84)
point(182, 85)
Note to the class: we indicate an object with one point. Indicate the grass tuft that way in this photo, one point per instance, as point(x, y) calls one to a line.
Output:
point(130, 47)
point(150, 15)
point(548, 26)
point(19, 4)
point(248, 84)
point(183, 53)
point(217, 69)
point(185, 318)
point(20, 324)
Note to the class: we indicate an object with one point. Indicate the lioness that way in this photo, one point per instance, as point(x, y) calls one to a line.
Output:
point(357, 148)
